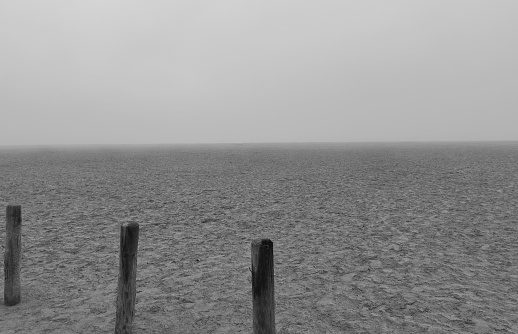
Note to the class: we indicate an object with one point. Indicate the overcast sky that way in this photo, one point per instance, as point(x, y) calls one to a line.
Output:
point(144, 72)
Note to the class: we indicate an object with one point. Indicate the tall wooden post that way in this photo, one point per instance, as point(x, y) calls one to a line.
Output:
point(13, 252)
point(262, 286)
point(127, 288)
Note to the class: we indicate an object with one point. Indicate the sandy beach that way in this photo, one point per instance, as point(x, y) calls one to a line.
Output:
point(386, 238)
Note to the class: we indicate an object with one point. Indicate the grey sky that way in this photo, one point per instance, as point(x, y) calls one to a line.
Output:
point(142, 72)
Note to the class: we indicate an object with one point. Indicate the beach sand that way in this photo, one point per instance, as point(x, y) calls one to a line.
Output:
point(366, 240)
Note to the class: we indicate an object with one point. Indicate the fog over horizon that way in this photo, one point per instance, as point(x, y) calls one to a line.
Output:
point(159, 72)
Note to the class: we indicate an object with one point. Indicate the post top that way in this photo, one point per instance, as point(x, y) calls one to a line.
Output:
point(262, 242)
point(130, 224)
point(13, 210)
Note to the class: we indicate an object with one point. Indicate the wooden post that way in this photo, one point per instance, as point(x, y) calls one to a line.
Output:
point(13, 252)
point(127, 289)
point(262, 286)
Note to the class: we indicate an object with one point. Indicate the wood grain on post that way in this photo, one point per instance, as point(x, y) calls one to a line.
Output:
point(262, 286)
point(12, 256)
point(127, 289)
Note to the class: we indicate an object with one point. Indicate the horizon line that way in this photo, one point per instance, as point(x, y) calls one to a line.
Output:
point(83, 145)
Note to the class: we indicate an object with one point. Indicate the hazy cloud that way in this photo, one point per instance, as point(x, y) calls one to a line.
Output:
point(91, 72)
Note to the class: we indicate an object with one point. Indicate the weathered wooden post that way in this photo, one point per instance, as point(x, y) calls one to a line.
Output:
point(127, 289)
point(262, 286)
point(12, 255)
